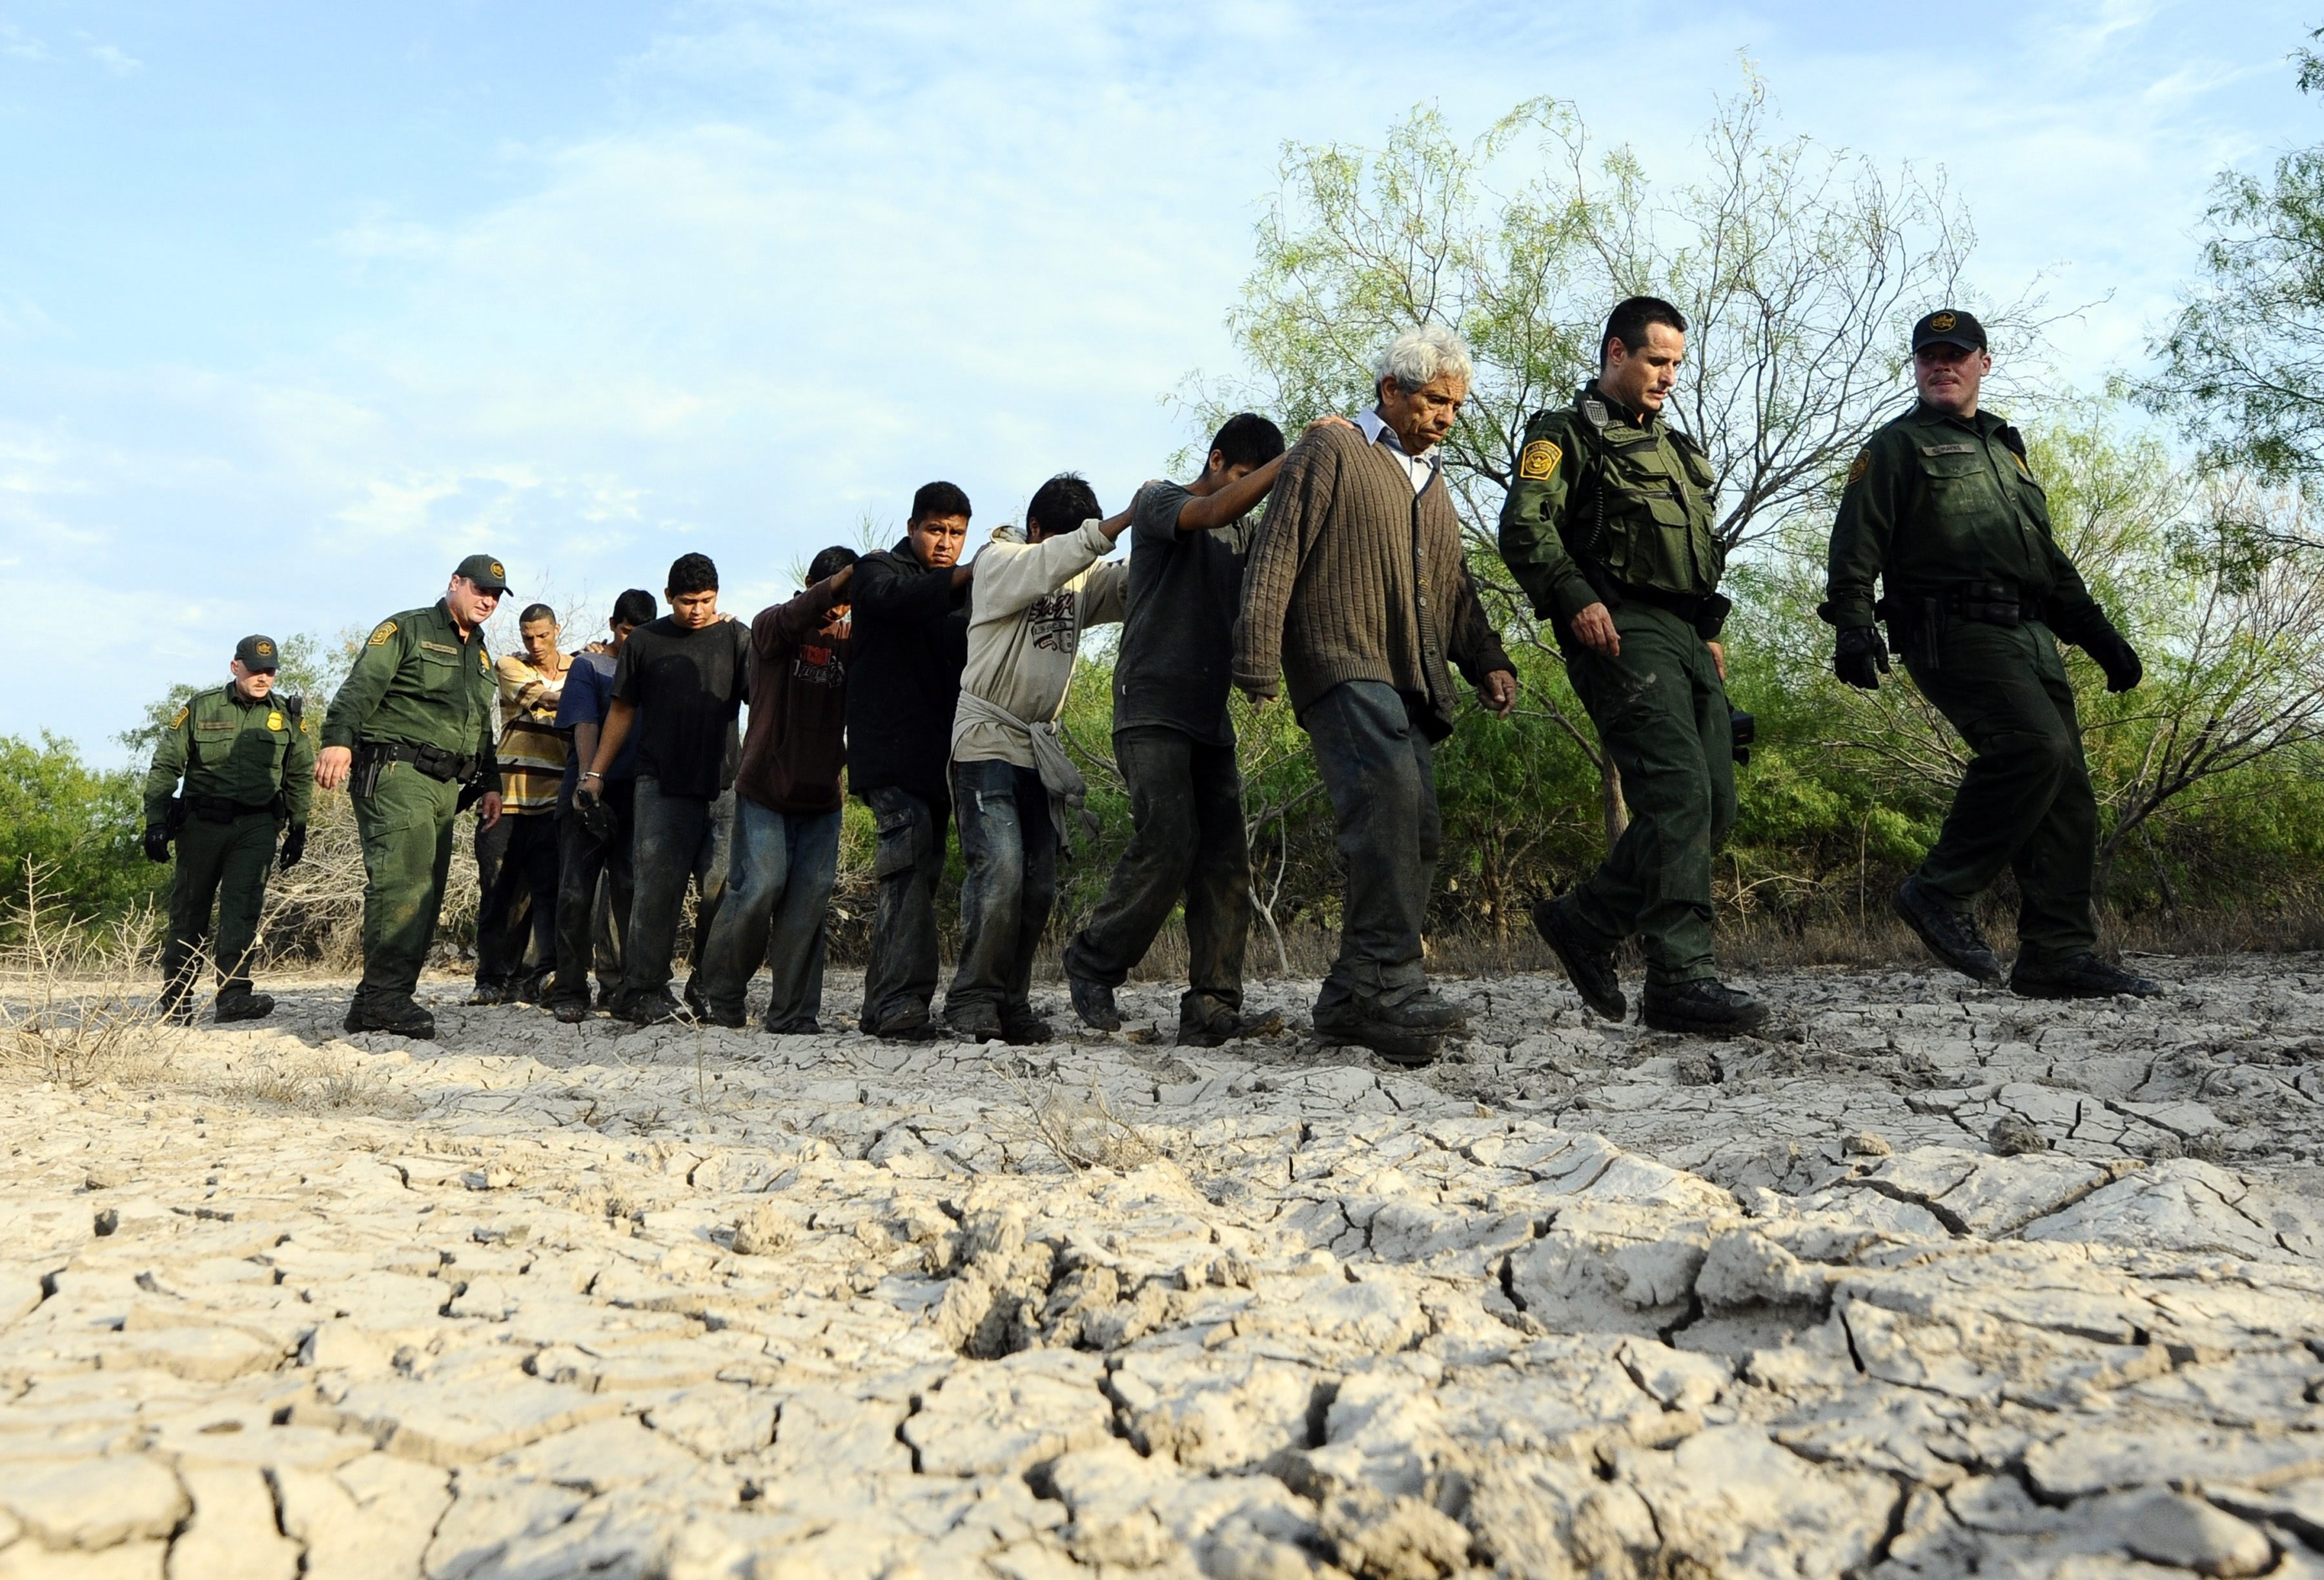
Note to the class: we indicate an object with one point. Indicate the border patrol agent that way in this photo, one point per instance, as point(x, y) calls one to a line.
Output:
point(1942, 507)
point(248, 758)
point(410, 735)
point(1608, 528)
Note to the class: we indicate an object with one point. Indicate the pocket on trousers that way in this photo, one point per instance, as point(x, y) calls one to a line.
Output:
point(900, 843)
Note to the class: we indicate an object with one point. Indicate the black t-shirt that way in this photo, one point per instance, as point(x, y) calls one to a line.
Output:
point(687, 685)
point(1177, 640)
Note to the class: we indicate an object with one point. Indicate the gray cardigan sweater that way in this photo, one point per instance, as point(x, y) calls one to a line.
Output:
point(1351, 577)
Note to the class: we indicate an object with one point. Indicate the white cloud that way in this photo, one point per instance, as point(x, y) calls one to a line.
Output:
point(115, 59)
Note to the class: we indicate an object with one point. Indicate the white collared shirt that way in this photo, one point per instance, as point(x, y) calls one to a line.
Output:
point(1420, 467)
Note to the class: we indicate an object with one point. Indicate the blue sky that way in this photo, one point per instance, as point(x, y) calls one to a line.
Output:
point(301, 303)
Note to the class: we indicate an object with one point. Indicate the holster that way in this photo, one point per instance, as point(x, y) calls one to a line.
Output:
point(175, 817)
point(1742, 729)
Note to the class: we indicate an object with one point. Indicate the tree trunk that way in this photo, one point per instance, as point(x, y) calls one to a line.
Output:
point(1618, 815)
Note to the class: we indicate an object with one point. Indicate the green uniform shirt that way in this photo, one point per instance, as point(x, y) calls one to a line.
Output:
point(418, 682)
point(1933, 500)
point(1659, 532)
point(225, 745)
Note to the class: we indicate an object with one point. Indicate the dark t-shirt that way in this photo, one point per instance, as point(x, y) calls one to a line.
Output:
point(1177, 640)
point(687, 685)
point(588, 695)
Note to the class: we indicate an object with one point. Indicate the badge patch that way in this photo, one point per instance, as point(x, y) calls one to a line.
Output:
point(1860, 466)
point(179, 721)
point(275, 722)
point(497, 571)
point(379, 637)
point(1538, 460)
point(483, 663)
point(263, 649)
point(1940, 322)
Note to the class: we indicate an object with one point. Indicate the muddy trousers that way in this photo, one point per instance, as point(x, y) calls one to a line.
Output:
point(907, 861)
point(1661, 713)
point(225, 864)
point(2026, 803)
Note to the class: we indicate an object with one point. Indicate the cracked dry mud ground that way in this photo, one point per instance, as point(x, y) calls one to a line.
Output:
point(539, 1300)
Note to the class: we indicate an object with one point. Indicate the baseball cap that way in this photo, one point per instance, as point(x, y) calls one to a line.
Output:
point(484, 571)
point(257, 654)
point(1949, 327)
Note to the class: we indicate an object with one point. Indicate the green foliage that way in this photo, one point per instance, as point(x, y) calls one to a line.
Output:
point(307, 670)
point(78, 825)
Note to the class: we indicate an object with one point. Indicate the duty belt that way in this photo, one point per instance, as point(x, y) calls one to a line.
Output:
point(1917, 616)
point(1706, 612)
point(224, 810)
point(433, 761)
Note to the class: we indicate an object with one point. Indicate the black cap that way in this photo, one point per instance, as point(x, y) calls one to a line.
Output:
point(484, 571)
point(1949, 327)
point(257, 655)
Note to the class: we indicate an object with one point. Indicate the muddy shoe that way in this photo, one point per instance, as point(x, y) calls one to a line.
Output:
point(2079, 976)
point(1218, 1031)
point(973, 1022)
point(489, 993)
point(569, 1013)
point(1093, 1002)
point(1588, 965)
point(179, 1012)
point(653, 1009)
point(402, 1019)
point(1704, 1007)
point(1424, 1010)
point(1025, 1030)
point(1361, 1022)
point(908, 1029)
point(243, 1006)
point(1951, 935)
point(732, 1021)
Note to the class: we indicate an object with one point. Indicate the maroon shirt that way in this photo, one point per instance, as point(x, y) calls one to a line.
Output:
point(796, 747)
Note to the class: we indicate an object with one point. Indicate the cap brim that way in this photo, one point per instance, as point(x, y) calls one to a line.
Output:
point(1963, 341)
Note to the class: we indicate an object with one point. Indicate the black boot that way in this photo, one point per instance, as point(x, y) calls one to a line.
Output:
point(242, 1004)
point(1951, 935)
point(401, 1019)
point(1588, 965)
point(1367, 1023)
point(2077, 976)
point(1218, 1029)
point(973, 1022)
point(1704, 1007)
point(1025, 1030)
point(1093, 1002)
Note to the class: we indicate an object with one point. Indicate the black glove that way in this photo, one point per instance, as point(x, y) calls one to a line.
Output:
point(294, 846)
point(2117, 657)
point(1856, 654)
point(157, 842)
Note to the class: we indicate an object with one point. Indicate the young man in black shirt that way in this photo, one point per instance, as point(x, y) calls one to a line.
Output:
point(910, 644)
point(680, 683)
point(1177, 746)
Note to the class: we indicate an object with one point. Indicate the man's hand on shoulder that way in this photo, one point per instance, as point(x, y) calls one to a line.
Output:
point(1330, 420)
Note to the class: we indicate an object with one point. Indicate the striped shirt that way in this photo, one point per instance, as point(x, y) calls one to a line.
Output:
point(533, 749)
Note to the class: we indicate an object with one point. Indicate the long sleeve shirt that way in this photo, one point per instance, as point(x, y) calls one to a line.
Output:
point(417, 681)
point(797, 744)
point(1028, 607)
point(236, 748)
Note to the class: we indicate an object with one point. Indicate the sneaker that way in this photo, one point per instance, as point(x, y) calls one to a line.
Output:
point(1951, 935)
point(658, 1009)
point(1219, 1031)
point(1424, 1010)
point(1360, 1022)
point(1025, 1030)
point(1705, 1007)
point(403, 1019)
point(973, 1022)
point(244, 1006)
point(489, 993)
point(1093, 1002)
point(569, 1013)
point(2077, 976)
point(1589, 966)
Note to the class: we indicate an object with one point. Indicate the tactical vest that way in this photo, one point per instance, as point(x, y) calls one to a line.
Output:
point(1653, 485)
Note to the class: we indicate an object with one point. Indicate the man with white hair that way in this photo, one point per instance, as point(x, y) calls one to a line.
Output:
point(1356, 596)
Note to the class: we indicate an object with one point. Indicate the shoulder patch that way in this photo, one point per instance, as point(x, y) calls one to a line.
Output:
point(1538, 460)
point(379, 637)
point(184, 713)
point(1860, 466)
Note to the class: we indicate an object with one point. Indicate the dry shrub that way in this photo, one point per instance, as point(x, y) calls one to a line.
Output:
point(314, 911)
point(1083, 1131)
point(77, 1003)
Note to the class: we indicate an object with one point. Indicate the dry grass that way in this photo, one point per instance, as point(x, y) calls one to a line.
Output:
point(1082, 1132)
point(77, 1004)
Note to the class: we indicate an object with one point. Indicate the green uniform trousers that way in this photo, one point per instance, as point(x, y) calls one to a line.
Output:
point(406, 824)
point(225, 864)
point(2026, 802)
point(1661, 712)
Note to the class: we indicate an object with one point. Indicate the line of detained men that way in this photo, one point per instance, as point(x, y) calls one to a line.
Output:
point(939, 699)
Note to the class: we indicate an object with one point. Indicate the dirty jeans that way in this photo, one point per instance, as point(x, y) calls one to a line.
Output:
point(778, 876)
point(516, 908)
point(1011, 847)
point(675, 837)
point(1186, 803)
point(907, 861)
point(584, 863)
point(1379, 769)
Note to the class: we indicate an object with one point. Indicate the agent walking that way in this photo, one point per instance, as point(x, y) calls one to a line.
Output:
point(1608, 527)
point(410, 735)
point(248, 758)
point(1942, 507)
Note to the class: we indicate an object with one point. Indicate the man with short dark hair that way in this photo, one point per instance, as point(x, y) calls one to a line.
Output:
point(1608, 527)
point(1357, 595)
point(1942, 508)
point(593, 847)
point(785, 854)
point(1012, 781)
point(247, 757)
point(910, 643)
point(1176, 745)
point(410, 735)
point(680, 683)
point(516, 858)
